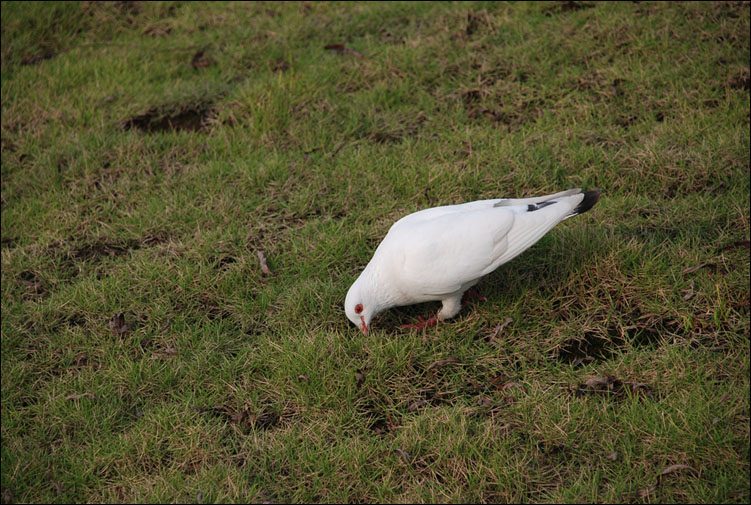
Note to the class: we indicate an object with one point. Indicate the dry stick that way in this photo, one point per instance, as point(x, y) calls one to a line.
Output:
point(499, 328)
point(264, 266)
point(336, 151)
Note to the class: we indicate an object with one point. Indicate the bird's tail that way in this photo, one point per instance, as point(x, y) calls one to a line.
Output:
point(590, 199)
point(533, 218)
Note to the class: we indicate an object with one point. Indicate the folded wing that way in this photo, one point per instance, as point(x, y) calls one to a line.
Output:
point(442, 251)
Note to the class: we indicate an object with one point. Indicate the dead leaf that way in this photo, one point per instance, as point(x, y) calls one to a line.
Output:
point(637, 386)
point(679, 468)
point(201, 60)
point(77, 396)
point(689, 292)
point(697, 267)
point(613, 456)
point(598, 383)
point(239, 416)
point(643, 493)
point(107, 99)
point(303, 378)
point(342, 49)
point(483, 401)
point(609, 384)
point(58, 487)
point(82, 359)
point(264, 266)
point(443, 362)
point(499, 328)
point(510, 385)
point(359, 378)
point(498, 380)
point(155, 30)
point(167, 352)
point(404, 455)
point(416, 405)
point(118, 325)
point(280, 65)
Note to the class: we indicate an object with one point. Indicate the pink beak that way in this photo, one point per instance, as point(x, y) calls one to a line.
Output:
point(363, 326)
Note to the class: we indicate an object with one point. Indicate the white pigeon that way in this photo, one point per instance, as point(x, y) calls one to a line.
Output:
point(439, 253)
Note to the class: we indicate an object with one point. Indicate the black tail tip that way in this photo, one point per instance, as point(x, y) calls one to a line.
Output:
point(590, 199)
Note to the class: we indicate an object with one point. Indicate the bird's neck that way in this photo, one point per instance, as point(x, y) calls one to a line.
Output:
point(381, 293)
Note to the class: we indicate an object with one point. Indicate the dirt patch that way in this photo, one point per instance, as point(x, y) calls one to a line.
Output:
point(280, 65)
point(193, 118)
point(733, 10)
point(638, 329)
point(245, 418)
point(98, 249)
point(740, 81)
point(590, 347)
point(37, 56)
point(379, 422)
point(474, 23)
point(560, 7)
point(33, 286)
point(72, 256)
point(514, 116)
point(128, 8)
point(223, 262)
point(214, 311)
point(386, 136)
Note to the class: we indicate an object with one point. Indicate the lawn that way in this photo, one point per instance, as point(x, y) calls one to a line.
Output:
point(154, 153)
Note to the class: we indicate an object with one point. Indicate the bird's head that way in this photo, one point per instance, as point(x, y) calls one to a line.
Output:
point(359, 307)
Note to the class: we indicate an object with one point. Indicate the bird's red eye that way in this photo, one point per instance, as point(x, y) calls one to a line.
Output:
point(358, 308)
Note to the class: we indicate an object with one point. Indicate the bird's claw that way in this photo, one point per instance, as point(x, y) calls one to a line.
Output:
point(472, 294)
point(422, 323)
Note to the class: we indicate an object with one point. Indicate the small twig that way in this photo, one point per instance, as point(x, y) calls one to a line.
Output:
point(264, 266)
point(697, 267)
point(442, 362)
point(336, 151)
point(77, 396)
point(499, 328)
point(404, 455)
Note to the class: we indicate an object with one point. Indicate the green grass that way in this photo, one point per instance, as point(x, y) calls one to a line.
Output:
point(230, 385)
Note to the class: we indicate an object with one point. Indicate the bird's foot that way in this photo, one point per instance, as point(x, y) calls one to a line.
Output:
point(472, 294)
point(422, 323)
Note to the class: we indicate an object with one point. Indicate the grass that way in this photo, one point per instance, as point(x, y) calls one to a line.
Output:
point(151, 150)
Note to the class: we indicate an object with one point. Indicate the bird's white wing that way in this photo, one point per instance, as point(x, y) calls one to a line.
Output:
point(438, 256)
point(532, 222)
point(435, 212)
point(442, 252)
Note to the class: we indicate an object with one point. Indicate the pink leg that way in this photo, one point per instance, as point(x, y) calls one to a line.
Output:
point(422, 323)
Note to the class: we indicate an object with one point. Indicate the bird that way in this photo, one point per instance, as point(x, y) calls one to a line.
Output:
point(439, 253)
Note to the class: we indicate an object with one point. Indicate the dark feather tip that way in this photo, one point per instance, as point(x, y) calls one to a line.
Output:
point(590, 199)
point(535, 206)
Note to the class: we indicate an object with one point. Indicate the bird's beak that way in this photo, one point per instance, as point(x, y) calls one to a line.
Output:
point(363, 326)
